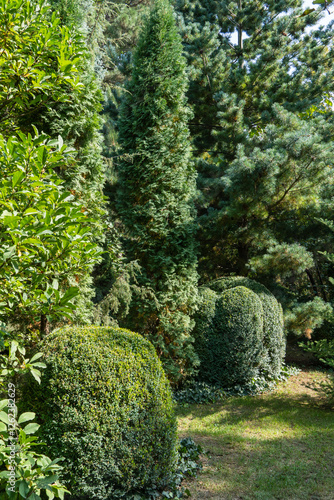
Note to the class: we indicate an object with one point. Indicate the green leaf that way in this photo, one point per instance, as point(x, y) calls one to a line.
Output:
point(60, 142)
point(31, 211)
point(26, 416)
point(21, 349)
point(31, 428)
point(44, 231)
point(38, 365)
point(55, 461)
point(36, 357)
point(42, 154)
point(69, 294)
point(55, 284)
point(9, 253)
point(24, 488)
point(47, 480)
point(3, 403)
point(13, 349)
point(61, 494)
point(17, 177)
point(34, 496)
point(4, 417)
point(31, 460)
point(307, 12)
point(36, 374)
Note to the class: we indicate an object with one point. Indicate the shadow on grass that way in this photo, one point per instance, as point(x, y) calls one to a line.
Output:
point(268, 447)
point(236, 410)
point(255, 469)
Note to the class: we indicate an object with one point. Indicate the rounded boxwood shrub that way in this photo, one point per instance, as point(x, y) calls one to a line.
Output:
point(105, 405)
point(229, 336)
point(274, 341)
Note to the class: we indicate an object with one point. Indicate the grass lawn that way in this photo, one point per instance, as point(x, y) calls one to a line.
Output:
point(278, 445)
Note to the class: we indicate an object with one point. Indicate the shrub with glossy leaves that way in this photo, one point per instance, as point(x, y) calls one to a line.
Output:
point(39, 62)
point(106, 406)
point(44, 234)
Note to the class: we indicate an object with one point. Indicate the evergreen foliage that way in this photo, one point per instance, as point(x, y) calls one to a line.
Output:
point(264, 136)
point(156, 190)
point(273, 326)
point(106, 406)
point(213, 323)
point(28, 85)
point(56, 92)
point(201, 35)
point(267, 64)
point(231, 348)
point(78, 120)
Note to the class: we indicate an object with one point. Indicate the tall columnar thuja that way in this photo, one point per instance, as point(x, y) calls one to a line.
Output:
point(157, 186)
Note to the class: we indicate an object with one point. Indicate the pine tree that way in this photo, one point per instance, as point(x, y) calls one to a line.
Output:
point(272, 60)
point(156, 191)
point(263, 169)
point(207, 66)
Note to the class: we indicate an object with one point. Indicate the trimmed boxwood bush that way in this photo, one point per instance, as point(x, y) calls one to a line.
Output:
point(214, 326)
point(229, 335)
point(105, 405)
point(274, 341)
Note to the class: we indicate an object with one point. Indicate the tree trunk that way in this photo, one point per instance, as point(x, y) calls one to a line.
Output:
point(45, 325)
point(312, 281)
point(240, 40)
point(243, 258)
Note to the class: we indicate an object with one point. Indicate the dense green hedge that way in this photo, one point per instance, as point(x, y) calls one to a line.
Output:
point(228, 338)
point(106, 406)
point(238, 335)
point(273, 327)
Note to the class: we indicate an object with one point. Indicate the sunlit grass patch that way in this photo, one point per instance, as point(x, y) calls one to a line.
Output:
point(278, 445)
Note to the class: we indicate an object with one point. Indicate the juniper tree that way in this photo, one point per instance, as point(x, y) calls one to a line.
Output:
point(156, 190)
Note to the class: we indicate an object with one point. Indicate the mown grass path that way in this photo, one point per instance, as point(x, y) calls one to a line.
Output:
point(278, 445)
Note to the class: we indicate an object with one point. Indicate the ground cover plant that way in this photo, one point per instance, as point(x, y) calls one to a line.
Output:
point(276, 445)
